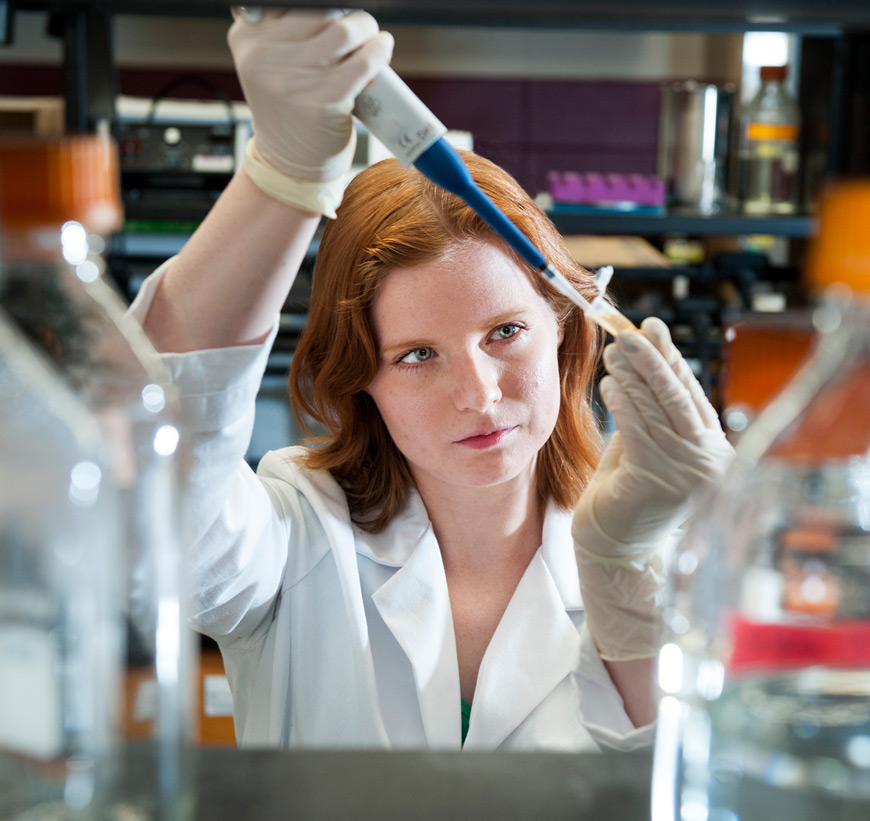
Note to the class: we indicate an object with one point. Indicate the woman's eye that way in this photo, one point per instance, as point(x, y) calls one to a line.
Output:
point(507, 331)
point(417, 355)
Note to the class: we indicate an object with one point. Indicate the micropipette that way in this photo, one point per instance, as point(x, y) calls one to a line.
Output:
point(400, 120)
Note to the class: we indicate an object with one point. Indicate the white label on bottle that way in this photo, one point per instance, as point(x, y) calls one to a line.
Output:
point(31, 714)
point(145, 705)
point(761, 594)
point(217, 699)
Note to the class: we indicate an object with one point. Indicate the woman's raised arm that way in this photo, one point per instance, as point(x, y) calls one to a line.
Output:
point(301, 72)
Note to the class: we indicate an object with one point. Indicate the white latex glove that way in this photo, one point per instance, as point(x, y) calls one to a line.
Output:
point(668, 452)
point(301, 72)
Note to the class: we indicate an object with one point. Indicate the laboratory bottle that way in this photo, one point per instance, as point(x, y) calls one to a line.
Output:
point(59, 200)
point(769, 149)
point(764, 671)
point(60, 644)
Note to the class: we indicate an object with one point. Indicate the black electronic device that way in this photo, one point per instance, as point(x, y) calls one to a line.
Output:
point(176, 150)
point(175, 165)
point(174, 171)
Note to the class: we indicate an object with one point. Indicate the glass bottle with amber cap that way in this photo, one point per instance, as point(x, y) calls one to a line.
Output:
point(58, 199)
point(769, 149)
point(764, 672)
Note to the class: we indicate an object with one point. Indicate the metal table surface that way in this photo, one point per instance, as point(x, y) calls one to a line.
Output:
point(419, 786)
point(264, 785)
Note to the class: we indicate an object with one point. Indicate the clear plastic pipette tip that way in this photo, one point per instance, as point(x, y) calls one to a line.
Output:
point(250, 14)
point(599, 309)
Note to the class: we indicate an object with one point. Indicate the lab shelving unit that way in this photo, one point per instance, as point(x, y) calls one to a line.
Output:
point(838, 30)
point(835, 73)
point(835, 77)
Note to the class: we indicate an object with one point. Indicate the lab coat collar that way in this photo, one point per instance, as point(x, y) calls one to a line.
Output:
point(394, 545)
point(415, 606)
point(535, 646)
point(557, 551)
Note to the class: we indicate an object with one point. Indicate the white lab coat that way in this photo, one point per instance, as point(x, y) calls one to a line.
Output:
point(334, 637)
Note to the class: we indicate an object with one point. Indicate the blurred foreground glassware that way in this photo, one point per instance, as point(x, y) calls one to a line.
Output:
point(765, 671)
point(60, 646)
point(57, 200)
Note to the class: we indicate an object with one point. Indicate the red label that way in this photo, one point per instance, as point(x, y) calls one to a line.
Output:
point(762, 645)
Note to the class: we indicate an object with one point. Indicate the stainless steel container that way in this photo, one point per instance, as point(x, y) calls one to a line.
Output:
point(694, 135)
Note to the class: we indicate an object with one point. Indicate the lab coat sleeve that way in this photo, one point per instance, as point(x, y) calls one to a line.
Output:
point(603, 711)
point(239, 541)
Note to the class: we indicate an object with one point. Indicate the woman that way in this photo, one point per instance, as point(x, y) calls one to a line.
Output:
point(417, 565)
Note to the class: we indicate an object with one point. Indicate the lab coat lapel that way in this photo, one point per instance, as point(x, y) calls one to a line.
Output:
point(357, 719)
point(415, 606)
point(536, 644)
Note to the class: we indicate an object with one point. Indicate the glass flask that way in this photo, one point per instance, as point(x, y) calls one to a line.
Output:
point(60, 646)
point(764, 673)
point(58, 198)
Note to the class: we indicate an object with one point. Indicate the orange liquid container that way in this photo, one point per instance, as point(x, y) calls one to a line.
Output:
point(48, 182)
point(761, 353)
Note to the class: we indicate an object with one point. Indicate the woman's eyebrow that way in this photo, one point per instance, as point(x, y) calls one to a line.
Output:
point(400, 347)
point(391, 347)
point(505, 317)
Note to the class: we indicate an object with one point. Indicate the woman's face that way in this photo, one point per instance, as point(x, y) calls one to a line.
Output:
point(468, 379)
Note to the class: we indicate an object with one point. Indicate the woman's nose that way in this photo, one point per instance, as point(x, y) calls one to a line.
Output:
point(475, 381)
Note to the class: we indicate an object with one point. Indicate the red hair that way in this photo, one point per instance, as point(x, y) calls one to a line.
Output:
point(393, 217)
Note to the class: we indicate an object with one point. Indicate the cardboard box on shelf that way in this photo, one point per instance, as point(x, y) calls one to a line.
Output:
point(39, 116)
point(620, 252)
point(214, 706)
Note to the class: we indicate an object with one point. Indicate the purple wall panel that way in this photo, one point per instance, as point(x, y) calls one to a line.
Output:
point(494, 108)
point(513, 158)
point(594, 112)
point(534, 126)
point(23, 80)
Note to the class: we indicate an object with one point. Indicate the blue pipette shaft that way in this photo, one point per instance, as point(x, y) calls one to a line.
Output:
point(442, 164)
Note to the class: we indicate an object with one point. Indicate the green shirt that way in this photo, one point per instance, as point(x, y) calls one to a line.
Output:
point(466, 718)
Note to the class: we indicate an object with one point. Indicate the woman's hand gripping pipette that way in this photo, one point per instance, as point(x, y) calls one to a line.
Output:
point(400, 120)
point(668, 452)
point(301, 72)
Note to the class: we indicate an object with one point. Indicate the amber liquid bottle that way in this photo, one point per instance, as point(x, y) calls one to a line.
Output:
point(769, 150)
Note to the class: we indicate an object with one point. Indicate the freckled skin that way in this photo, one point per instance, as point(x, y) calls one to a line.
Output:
point(468, 383)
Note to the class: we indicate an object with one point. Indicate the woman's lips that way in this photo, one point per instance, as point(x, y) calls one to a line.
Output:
point(486, 440)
